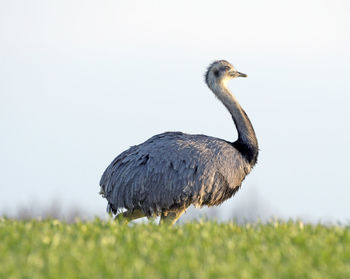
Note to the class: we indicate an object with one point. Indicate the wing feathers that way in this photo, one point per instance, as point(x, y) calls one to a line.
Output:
point(173, 170)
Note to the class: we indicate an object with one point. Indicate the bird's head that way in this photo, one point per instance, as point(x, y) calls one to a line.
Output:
point(221, 71)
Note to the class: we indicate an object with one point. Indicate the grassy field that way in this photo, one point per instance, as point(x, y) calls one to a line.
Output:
point(103, 249)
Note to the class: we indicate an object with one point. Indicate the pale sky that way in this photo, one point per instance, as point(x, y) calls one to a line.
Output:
point(81, 81)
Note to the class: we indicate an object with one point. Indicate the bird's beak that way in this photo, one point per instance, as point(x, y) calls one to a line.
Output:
point(235, 74)
point(241, 74)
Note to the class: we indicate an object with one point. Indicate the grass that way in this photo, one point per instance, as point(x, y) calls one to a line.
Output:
point(104, 249)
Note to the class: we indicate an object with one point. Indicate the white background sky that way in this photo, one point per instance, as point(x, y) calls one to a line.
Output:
point(80, 81)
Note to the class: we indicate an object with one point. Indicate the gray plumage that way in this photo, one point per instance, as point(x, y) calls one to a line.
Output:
point(173, 170)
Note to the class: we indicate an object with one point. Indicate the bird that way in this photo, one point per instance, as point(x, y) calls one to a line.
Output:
point(167, 173)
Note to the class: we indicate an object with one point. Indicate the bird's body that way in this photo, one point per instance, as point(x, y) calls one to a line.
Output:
point(170, 171)
point(173, 170)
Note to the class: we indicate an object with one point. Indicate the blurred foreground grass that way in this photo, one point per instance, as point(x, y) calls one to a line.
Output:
point(105, 249)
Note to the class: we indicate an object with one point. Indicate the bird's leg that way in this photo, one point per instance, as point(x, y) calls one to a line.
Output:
point(152, 218)
point(129, 215)
point(170, 217)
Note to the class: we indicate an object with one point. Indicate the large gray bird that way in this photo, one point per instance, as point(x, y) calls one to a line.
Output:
point(169, 172)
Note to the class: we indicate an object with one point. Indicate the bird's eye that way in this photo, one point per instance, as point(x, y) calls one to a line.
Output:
point(226, 68)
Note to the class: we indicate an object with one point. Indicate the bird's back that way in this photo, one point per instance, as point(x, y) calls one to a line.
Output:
point(173, 170)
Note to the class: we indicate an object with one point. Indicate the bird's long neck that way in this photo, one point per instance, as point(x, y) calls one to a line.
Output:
point(247, 142)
